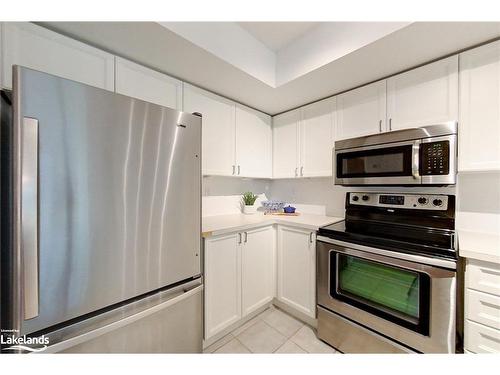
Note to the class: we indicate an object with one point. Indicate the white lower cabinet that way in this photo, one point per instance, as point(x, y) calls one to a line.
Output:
point(222, 282)
point(258, 267)
point(36, 47)
point(482, 307)
point(239, 276)
point(297, 269)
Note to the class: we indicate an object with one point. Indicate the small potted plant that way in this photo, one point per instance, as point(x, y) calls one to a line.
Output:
point(249, 199)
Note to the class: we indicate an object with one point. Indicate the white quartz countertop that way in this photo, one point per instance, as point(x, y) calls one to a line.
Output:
point(222, 224)
point(479, 236)
point(480, 246)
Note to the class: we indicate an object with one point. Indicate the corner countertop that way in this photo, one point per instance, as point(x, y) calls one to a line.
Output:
point(479, 236)
point(479, 245)
point(222, 224)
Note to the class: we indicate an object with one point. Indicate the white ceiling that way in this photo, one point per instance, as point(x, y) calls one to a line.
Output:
point(279, 52)
point(276, 35)
point(156, 46)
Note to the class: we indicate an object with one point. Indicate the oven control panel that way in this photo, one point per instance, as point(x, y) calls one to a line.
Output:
point(435, 158)
point(394, 200)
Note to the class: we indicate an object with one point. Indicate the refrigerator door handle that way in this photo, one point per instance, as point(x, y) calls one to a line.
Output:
point(29, 216)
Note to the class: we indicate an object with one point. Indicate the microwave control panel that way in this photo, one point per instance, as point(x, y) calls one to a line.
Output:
point(435, 158)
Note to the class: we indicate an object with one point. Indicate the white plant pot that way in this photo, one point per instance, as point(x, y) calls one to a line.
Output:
point(249, 210)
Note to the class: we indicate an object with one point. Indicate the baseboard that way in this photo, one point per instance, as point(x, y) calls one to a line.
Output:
point(296, 313)
point(232, 327)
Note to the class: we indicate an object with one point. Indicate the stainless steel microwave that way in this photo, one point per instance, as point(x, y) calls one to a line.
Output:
point(418, 156)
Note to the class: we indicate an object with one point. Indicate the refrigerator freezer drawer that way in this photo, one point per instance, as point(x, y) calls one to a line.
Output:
point(174, 326)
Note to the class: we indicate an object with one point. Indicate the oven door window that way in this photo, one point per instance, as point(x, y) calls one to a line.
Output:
point(396, 294)
point(380, 162)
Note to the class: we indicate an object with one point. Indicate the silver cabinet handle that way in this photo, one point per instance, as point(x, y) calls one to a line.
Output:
point(301, 171)
point(246, 237)
point(296, 169)
point(234, 168)
point(390, 124)
point(239, 238)
point(311, 237)
point(380, 126)
point(29, 215)
point(238, 170)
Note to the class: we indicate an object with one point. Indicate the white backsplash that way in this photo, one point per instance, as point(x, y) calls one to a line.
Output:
point(477, 192)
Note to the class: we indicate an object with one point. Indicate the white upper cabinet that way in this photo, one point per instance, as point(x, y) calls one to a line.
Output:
point(479, 133)
point(258, 267)
point(37, 48)
point(286, 144)
point(362, 111)
point(253, 143)
point(423, 96)
point(146, 84)
point(317, 138)
point(218, 129)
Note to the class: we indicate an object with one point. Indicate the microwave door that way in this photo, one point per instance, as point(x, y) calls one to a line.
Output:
point(387, 164)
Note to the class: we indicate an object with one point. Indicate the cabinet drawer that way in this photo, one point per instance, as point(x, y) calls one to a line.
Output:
point(481, 339)
point(484, 277)
point(483, 308)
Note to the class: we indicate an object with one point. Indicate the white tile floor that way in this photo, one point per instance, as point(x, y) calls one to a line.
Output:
point(273, 331)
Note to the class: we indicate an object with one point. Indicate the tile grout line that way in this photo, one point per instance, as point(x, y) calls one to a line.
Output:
point(246, 347)
point(291, 339)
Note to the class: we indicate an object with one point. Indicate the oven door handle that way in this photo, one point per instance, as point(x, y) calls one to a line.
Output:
point(403, 260)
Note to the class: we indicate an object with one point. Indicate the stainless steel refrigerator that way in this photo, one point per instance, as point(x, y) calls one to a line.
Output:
point(101, 219)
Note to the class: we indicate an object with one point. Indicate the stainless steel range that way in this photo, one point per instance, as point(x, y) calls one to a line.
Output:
point(388, 276)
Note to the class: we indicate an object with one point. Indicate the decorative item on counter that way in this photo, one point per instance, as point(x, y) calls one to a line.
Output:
point(273, 206)
point(289, 209)
point(249, 199)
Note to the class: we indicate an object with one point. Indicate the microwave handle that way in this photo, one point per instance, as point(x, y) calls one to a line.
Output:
point(415, 165)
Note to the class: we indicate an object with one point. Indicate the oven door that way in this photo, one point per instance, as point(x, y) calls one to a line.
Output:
point(410, 302)
point(387, 164)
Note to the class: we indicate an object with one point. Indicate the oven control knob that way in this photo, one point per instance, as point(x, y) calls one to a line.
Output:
point(365, 197)
point(437, 202)
point(355, 198)
point(422, 200)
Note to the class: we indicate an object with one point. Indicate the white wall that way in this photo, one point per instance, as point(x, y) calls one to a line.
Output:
point(322, 191)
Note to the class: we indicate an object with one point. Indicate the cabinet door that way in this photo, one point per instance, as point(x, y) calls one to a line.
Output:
point(217, 129)
point(361, 111)
point(423, 96)
point(317, 139)
point(479, 134)
point(257, 268)
point(296, 269)
point(222, 283)
point(253, 143)
point(146, 84)
point(38, 48)
point(285, 144)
